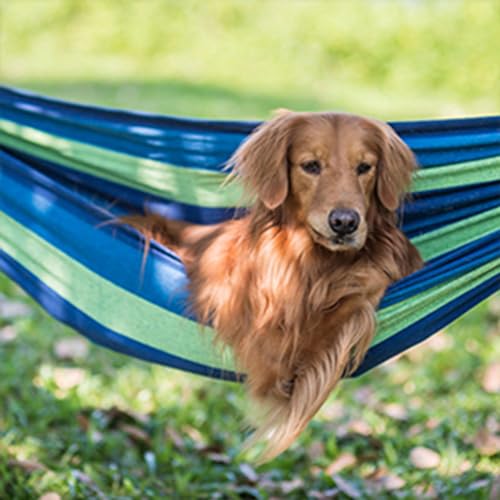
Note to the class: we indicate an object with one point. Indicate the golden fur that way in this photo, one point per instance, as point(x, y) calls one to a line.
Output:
point(294, 300)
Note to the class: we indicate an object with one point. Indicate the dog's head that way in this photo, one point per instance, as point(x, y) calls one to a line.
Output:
point(331, 170)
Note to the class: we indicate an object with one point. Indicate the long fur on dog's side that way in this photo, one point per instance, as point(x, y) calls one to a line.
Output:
point(297, 315)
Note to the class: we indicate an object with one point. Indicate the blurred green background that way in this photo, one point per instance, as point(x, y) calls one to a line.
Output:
point(78, 421)
point(393, 59)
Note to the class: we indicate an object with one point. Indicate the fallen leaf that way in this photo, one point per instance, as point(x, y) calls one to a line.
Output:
point(343, 461)
point(175, 437)
point(7, 334)
point(346, 487)
point(10, 309)
point(425, 491)
point(365, 395)
point(249, 473)
point(195, 435)
point(424, 458)
point(389, 482)
point(87, 480)
point(395, 411)
point(83, 421)
point(292, 485)
point(495, 489)
point(27, 465)
point(316, 450)
point(116, 415)
point(432, 423)
point(50, 495)
point(71, 348)
point(356, 426)
point(414, 430)
point(440, 341)
point(67, 378)
point(325, 494)
point(486, 442)
point(135, 433)
point(490, 381)
point(219, 458)
point(465, 466)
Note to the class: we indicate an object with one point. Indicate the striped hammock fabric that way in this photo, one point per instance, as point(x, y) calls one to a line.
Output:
point(66, 169)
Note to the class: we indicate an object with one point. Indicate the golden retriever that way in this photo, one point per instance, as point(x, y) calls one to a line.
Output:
point(293, 285)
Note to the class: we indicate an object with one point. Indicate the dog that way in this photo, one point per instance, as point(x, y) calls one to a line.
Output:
point(292, 286)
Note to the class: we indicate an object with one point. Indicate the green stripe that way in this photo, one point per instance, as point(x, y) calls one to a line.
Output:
point(140, 320)
point(197, 187)
point(451, 236)
point(457, 174)
point(395, 318)
point(108, 304)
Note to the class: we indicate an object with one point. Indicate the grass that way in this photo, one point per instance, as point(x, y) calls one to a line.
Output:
point(108, 426)
point(101, 425)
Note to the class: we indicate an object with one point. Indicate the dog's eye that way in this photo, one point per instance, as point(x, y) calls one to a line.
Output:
point(311, 167)
point(362, 168)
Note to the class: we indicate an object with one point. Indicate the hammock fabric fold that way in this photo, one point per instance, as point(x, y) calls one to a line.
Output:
point(66, 169)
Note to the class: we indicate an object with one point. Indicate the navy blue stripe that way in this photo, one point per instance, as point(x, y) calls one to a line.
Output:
point(121, 199)
point(420, 330)
point(67, 313)
point(209, 143)
point(68, 221)
point(425, 211)
point(444, 268)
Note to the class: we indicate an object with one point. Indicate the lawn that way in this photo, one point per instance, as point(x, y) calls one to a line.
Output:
point(82, 422)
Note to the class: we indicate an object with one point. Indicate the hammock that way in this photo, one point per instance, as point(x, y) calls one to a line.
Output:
point(65, 169)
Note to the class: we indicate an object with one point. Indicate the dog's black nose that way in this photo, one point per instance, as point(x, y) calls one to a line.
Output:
point(343, 221)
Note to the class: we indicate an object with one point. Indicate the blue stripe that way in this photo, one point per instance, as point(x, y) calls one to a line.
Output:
point(67, 313)
point(69, 222)
point(67, 219)
point(420, 330)
point(209, 143)
point(444, 268)
point(121, 198)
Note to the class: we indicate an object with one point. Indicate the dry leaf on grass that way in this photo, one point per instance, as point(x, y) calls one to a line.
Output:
point(424, 458)
point(87, 480)
point(325, 494)
point(67, 378)
point(10, 309)
point(315, 450)
point(50, 495)
point(343, 461)
point(7, 334)
point(71, 348)
point(487, 443)
point(172, 435)
point(249, 473)
point(219, 458)
point(135, 433)
point(395, 411)
point(356, 426)
point(490, 381)
point(116, 415)
point(385, 481)
point(346, 487)
point(495, 489)
point(27, 465)
point(292, 485)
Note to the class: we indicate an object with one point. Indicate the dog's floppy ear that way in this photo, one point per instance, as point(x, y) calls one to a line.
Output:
point(261, 161)
point(396, 167)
